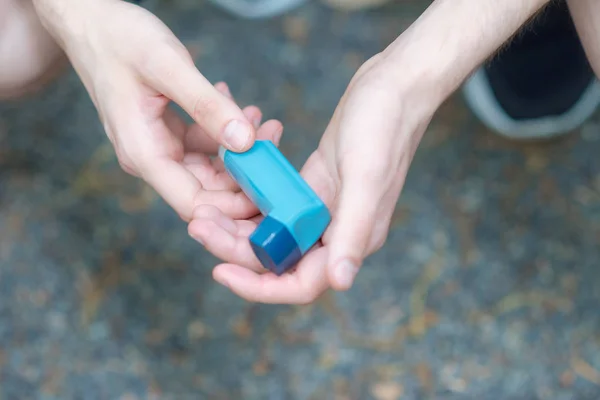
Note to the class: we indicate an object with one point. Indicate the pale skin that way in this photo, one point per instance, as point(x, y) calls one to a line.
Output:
point(586, 15)
point(393, 97)
point(134, 66)
point(27, 53)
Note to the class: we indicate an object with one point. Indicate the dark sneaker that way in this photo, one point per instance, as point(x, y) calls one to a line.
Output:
point(541, 85)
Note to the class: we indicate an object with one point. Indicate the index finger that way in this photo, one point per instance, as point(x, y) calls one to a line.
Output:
point(172, 72)
point(168, 177)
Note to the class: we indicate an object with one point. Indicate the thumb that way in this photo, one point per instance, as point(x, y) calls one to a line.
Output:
point(175, 75)
point(350, 236)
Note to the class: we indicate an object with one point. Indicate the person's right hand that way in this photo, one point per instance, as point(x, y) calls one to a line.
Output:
point(133, 66)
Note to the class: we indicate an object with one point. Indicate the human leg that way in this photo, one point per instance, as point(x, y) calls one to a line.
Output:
point(541, 85)
point(29, 57)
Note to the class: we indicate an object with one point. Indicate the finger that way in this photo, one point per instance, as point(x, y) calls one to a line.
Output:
point(225, 238)
point(194, 138)
point(171, 179)
point(177, 186)
point(182, 191)
point(254, 115)
point(244, 226)
point(175, 122)
point(212, 173)
point(156, 162)
point(303, 286)
point(203, 168)
point(235, 205)
point(349, 235)
point(173, 73)
point(271, 130)
point(316, 173)
point(223, 88)
point(197, 140)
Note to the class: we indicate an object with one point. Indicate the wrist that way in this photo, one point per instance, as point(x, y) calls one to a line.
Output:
point(449, 41)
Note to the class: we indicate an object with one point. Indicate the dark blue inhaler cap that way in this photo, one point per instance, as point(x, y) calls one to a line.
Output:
point(275, 246)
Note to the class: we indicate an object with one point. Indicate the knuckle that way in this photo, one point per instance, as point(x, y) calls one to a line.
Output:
point(123, 160)
point(164, 57)
point(198, 198)
point(156, 62)
point(379, 235)
point(130, 162)
point(163, 64)
point(126, 165)
point(204, 108)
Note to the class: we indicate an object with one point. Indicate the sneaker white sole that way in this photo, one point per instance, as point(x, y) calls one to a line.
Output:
point(482, 101)
point(259, 9)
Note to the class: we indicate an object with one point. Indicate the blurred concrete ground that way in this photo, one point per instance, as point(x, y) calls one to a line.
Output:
point(488, 287)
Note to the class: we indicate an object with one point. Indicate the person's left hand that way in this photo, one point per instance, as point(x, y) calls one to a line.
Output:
point(358, 170)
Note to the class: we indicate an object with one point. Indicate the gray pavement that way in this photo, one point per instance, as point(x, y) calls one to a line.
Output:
point(488, 287)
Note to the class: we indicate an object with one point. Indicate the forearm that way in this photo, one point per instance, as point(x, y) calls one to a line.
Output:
point(452, 38)
point(586, 14)
point(65, 19)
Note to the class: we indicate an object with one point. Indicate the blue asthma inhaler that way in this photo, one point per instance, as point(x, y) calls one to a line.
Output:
point(295, 217)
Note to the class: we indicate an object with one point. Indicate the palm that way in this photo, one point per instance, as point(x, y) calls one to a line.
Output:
point(359, 178)
point(227, 239)
point(180, 159)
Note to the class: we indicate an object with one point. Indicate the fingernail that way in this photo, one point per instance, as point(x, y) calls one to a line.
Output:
point(197, 239)
point(256, 123)
point(237, 135)
point(344, 273)
point(227, 92)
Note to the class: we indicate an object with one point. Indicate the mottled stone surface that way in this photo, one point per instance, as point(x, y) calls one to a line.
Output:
point(488, 287)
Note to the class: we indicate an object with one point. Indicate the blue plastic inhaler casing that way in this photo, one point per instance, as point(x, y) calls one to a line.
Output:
point(295, 217)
